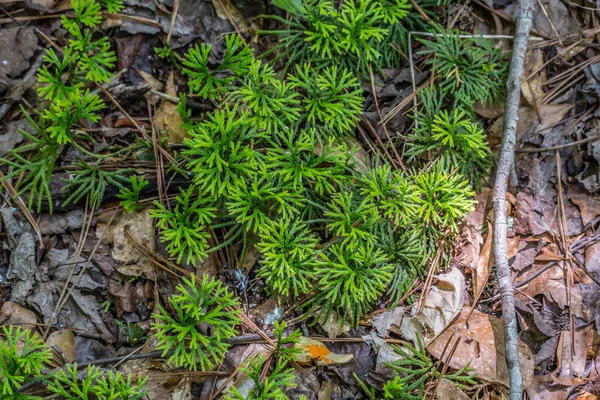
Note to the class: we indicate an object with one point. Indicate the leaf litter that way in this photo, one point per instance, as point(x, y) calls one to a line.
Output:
point(558, 352)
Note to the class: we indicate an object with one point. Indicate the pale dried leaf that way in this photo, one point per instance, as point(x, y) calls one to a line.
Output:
point(167, 116)
point(481, 343)
point(311, 349)
point(64, 341)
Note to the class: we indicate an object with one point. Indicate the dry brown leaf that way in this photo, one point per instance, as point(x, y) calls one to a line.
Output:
point(548, 254)
point(130, 261)
point(543, 388)
point(151, 80)
point(226, 10)
point(167, 116)
point(443, 304)
point(13, 314)
point(482, 273)
point(572, 355)
point(311, 349)
point(588, 203)
point(64, 341)
point(552, 285)
point(448, 390)
point(532, 88)
point(481, 343)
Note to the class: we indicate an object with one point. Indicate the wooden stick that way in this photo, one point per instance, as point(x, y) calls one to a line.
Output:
point(524, 22)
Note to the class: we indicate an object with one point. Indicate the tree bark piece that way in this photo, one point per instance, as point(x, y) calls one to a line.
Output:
point(524, 20)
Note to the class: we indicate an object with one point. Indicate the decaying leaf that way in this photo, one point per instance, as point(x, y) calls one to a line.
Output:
point(481, 343)
point(13, 314)
point(311, 349)
point(167, 116)
point(63, 341)
point(130, 261)
point(444, 302)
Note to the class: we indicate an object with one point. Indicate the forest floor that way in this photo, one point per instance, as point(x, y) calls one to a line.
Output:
point(554, 246)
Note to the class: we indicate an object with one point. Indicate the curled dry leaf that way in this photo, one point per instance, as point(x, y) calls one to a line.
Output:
point(311, 349)
point(64, 341)
point(481, 343)
point(13, 314)
point(444, 302)
point(167, 116)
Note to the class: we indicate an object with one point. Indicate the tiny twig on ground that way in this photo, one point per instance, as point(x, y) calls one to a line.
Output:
point(524, 22)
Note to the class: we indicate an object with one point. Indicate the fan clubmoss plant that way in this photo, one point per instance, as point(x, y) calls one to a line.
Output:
point(350, 280)
point(219, 151)
point(468, 69)
point(214, 84)
point(289, 257)
point(22, 358)
point(184, 226)
point(204, 313)
point(62, 81)
point(455, 139)
point(95, 385)
point(349, 36)
point(130, 198)
point(445, 198)
point(91, 181)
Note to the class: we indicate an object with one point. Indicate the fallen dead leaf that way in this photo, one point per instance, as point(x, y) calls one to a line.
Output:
point(532, 88)
point(548, 253)
point(481, 343)
point(588, 203)
point(551, 284)
point(167, 116)
point(311, 349)
point(13, 314)
point(572, 355)
point(130, 261)
point(482, 272)
point(226, 10)
point(448, 390)
point(64, 341)
point(152, 81)
point(444, 302)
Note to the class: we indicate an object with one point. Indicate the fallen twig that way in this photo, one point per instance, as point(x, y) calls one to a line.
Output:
point(524, 21)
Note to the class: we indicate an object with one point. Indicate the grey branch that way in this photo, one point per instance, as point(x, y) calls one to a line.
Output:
point(524, 19)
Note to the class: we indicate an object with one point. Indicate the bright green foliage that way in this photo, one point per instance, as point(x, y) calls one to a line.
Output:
point(66, 383)
point(415, 369)
point(289, 258)
point(130, 198)
point(294, 161)
point(35, 161)
point(91, 180)
point(352, 219)
point(112, 6)
point(273, 104)
point(63, 114)
point(273, 385)
point(350, 280)
point(213, 84)
point(285, 347)
point(22, 357)
point(468, 69)
point(254, 205)
point(455, 139)
point(407, 254)
point(445, 198)
point(184, 227)
point(332, 99)
point(61, 81)
point(205, 302)
point(218, 151)
point(135, 333)
point(114, 387)
point(95, 385)
point(392, 193)
point(350, 36)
